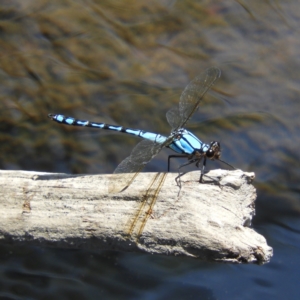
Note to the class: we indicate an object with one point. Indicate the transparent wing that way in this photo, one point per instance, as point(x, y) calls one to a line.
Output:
point(130, 167)
point(191, 97)
point(177, 117)
point(174, 117)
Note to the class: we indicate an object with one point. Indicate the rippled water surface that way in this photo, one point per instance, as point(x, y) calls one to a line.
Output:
point(126, 62)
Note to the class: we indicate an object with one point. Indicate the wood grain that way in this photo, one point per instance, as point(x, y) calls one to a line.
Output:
point(205, 221)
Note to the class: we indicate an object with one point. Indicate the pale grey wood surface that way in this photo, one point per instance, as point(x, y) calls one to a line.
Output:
point(204, 221)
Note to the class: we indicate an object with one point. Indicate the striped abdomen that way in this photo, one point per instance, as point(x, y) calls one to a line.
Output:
point(136, 132)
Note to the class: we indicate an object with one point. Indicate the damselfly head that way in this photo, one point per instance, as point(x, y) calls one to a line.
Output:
point(214, 151)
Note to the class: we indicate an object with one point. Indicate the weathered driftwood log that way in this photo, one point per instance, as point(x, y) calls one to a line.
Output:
point(205, 221)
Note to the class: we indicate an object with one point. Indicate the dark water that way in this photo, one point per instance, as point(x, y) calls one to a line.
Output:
point(126, 62)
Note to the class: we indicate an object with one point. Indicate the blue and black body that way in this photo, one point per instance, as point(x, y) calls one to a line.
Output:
point(181, 141)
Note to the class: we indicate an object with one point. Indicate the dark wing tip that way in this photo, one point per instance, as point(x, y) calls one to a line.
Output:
point(214, 72)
